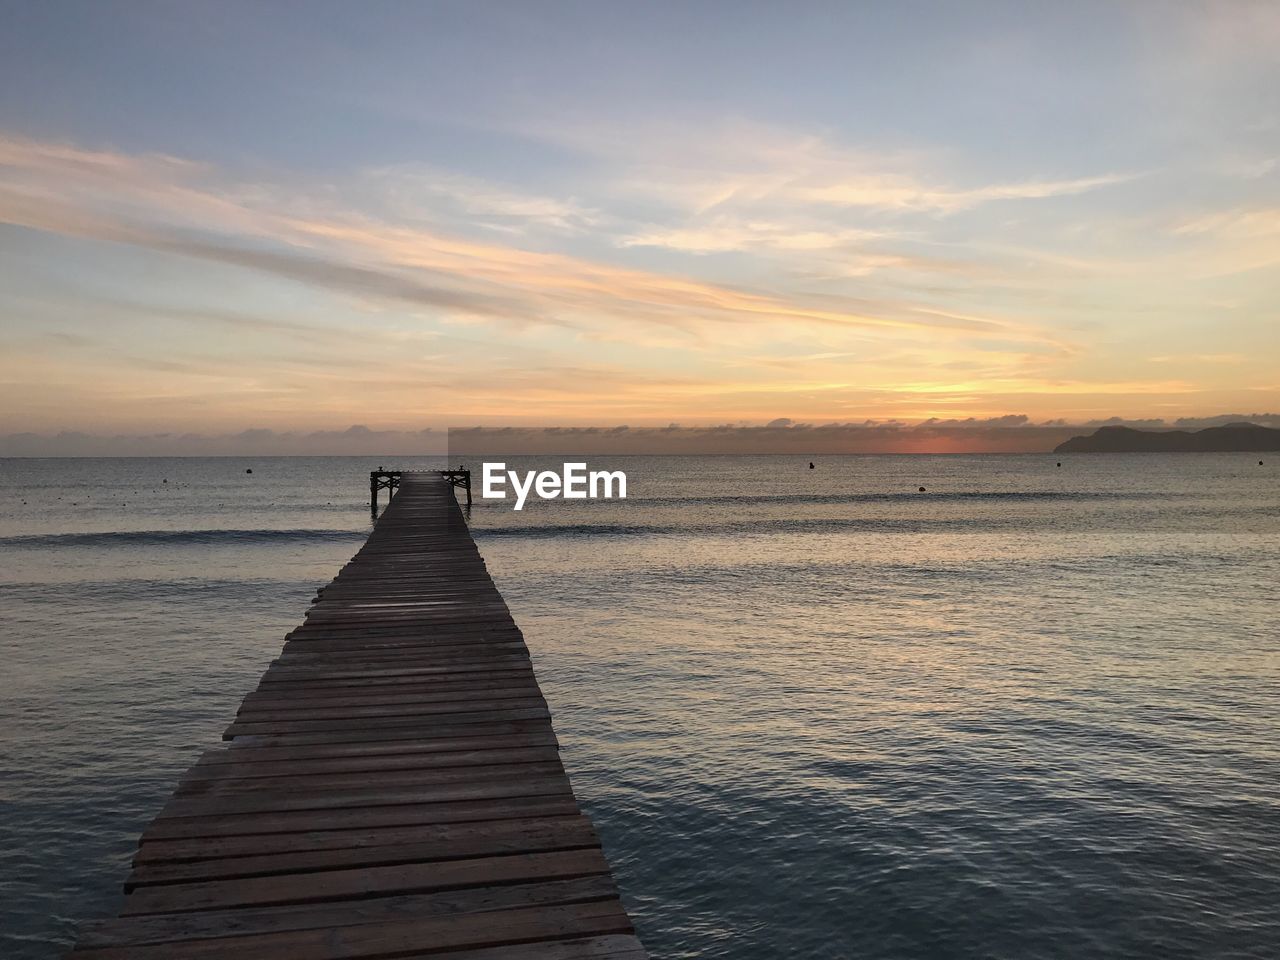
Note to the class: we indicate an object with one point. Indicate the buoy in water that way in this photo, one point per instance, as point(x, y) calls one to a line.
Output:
point(922, 489)
point(248, 471)
point(1059, 463)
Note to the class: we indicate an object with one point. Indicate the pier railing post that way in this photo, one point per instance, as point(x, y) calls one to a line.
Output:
point(459, 478)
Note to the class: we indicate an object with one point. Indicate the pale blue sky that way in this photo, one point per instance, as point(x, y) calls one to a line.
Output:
point(217, 216)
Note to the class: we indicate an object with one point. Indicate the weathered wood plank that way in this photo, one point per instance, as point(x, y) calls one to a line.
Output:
point(318, 700)
point(400, 814)
point(341, 884)
point(275, 719)
point(457, 717)
point(282, 800)
point(290, 782)
point(444, 834)
point(396, 938)
point(379, 848)
point(215, 924)
point(204, 770)
point(260, 750)
point(420, 731)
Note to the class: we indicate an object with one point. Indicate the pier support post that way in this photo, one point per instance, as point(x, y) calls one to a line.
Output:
point(388, 480)
point(459, 478)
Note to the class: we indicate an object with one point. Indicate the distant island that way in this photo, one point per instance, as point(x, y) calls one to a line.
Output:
point(1232, 438)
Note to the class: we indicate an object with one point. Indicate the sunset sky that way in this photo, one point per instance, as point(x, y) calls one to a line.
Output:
point(295, 217)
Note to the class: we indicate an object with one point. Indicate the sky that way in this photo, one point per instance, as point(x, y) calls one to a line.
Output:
point(266, 223)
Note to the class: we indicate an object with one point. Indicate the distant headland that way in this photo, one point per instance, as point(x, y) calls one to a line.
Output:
point(1232, 438)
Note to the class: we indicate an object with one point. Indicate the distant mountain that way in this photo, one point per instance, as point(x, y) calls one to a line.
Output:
point(1232, 438)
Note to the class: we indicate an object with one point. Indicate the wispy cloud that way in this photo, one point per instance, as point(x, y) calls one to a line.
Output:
point(1244, 223)
point(417, 192)
point(1232, 241)
point(902, 193)
point(1196, 358)
point(734, 165)
point(723, 234)
point(108, 197)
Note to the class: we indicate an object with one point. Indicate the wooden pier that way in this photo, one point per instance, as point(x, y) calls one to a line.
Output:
point(392, 788)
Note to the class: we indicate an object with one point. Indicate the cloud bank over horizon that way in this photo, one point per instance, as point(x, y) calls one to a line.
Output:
point(1012, 433)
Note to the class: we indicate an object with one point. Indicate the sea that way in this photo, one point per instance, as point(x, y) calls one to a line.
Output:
point(1030, 711)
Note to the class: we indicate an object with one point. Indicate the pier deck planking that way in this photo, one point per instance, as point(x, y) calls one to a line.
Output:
point(392, 788)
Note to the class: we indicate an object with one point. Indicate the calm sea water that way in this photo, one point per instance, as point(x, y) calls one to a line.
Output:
point(1031, 712)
